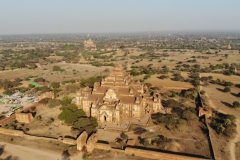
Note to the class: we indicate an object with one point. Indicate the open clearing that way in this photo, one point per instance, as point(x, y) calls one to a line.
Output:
point(43, 128)
point(234, 79)
point(71, 71)
point(166, 82)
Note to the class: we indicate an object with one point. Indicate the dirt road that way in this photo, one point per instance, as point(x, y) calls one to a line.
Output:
point(22, 153)
point(234, 141)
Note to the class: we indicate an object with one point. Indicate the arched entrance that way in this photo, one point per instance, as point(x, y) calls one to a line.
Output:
point(105, 118)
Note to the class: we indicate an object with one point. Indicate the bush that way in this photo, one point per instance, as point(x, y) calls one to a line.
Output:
point(236, 104)
point(50, 121)
point(55, 85)
point(56, 68)
point(189, 116)
point(40, 79)
point(8, 92)
point(123, 136)
point(53, 103)
point(202, 92)
point(38, 118)
point(226, 89)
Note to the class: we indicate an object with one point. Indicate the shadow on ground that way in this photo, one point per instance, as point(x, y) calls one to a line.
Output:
point(227, 104)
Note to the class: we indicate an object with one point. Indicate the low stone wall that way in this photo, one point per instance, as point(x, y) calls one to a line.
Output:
point(7, 119)
point(158, 155)
point(102, 146)
point(11, 132)
point(177, 88)
point(69, 141)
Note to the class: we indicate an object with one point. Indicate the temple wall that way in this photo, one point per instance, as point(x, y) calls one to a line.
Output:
point(158, 155)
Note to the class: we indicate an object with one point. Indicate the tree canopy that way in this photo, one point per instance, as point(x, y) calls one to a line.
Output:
point(71, 114)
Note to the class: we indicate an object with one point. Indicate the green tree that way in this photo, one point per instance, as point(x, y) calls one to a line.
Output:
point(94, 122)
point(66, 101)
point(82, 122)
point(8, 92)
point(71, 114)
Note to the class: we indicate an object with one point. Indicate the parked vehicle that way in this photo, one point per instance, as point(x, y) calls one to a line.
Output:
point(11, 113)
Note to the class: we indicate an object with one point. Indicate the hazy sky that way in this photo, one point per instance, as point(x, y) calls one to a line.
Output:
point(87, 16)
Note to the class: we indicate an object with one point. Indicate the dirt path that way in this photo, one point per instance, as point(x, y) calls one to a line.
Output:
point(23, 152)
point(234, 141)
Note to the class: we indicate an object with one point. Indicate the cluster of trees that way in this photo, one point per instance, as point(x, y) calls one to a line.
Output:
point(70, 114)
point(99, 64)
point(150, 138)
point(148, 70)
point(224, 124)
point(9, 86)
point(90, 81)
point(178, 118)
point(75, 117)
point(177, 77)
point(23, 58)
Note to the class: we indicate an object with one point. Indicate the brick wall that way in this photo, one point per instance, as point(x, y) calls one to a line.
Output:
point(158, 155)
point(102, 146)
point(11, 132)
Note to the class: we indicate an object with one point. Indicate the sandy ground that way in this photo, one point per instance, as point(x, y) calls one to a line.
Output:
point(234, 141)
point(166, 82)
point(27, 153)
point(225, 110)
point(45, 71)
point(23, 153)
point(234, 79)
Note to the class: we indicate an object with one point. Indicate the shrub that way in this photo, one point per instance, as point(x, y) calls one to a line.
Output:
point(236, 104)
point(40, 79)
point(53, 103)
point(226, 89)
point(56, 68)
point(202, 92)
point(8, 92)
point(123, 136)
point(50, 121)
point(38, 118)
point(55, 85)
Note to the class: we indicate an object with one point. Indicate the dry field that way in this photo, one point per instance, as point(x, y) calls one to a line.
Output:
point(221, 100)
point(55, 57)
point(45, 71)
point(42, 128)
point(156, 82)
point(110, 155)
point(234, 79)
point(30, 146)
point(170, 62)
point(237, 150)
point(190, 139)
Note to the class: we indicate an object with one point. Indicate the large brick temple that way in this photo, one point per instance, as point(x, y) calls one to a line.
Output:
point(118, 97)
